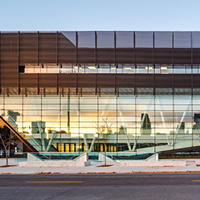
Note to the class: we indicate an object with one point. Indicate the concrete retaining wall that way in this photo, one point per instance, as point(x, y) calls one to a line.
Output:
point(102, 158)
point(83, 157)
point(154, 157)
point(153, 163)
point(33, 157)
point(55, 164)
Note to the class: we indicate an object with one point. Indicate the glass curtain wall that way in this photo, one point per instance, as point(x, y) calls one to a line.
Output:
point(126, 123)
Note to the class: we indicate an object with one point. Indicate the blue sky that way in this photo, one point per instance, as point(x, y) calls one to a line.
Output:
point(138, 15)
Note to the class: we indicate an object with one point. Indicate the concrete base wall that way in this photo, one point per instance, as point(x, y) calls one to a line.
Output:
point(102, 158)
point(32, 157)
point(154, 157)
point(83, 157)
point(55, 164)
point(153, 163)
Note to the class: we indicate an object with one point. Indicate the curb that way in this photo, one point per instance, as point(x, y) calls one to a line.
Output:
point(59, 173)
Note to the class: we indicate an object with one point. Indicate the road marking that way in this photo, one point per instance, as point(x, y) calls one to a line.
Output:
point(54, 181)
point(195, 180)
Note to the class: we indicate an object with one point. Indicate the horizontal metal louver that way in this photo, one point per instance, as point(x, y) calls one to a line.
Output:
point(164, 91)
point(144, 91)
point(126, 91)
point(88, 91)
point(182, 91)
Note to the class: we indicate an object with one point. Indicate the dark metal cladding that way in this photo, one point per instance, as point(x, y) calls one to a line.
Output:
point(101, 47)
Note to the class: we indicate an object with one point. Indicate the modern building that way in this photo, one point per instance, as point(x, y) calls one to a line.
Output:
point(136, 92)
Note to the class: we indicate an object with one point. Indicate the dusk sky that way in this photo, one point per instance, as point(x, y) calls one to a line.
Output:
point(51, 15)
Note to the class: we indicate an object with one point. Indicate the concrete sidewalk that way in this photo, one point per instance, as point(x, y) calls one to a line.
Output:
point(191, 167)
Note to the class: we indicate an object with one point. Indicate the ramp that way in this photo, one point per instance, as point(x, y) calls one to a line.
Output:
point(37, 144)
point(102, 158)
point(19, 136)
point(171, 148)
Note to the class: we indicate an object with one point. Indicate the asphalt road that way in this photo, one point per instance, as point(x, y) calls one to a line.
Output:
point(127, 186)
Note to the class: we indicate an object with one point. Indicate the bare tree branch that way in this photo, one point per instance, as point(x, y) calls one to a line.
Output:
point(101, 130)
point(6, 144)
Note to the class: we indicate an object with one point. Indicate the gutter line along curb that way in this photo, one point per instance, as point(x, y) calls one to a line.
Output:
point(140, 172)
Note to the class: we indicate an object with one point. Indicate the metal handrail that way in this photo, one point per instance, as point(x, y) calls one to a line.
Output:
point(20, 137)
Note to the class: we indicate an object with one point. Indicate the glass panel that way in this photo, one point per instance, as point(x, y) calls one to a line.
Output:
point(142, 69)
point(195, 69)
point(144, 39)
point(67, 47)
point(166, 69)
point(196, 39)
point(86, 39)
point(91, 69)
point(105, 39)
point(104, 69)
point(163, 39)
point(71, 37)
point(182, 39)
point(124, 39)
point(127, 69)
point(105, 47)
point(179, 69)
point(158, 121)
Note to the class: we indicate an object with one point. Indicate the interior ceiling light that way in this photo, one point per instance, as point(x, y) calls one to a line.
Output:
point(127, 68)
point(91, 67)
point(163, 68)
point(148, 67)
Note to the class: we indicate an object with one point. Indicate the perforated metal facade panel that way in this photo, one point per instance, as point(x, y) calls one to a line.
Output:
point(94, 48)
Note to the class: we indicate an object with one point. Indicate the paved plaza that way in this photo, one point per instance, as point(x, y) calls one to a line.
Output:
point(193, 166)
